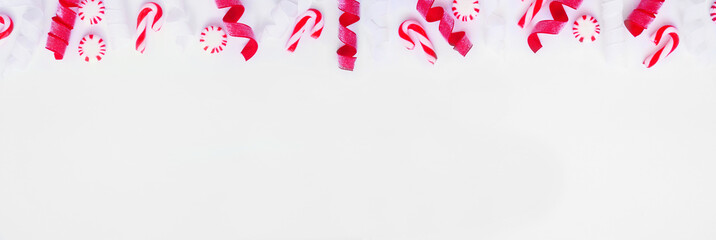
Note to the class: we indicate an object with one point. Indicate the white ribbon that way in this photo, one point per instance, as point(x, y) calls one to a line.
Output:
point(697, 29)
point(179, 22)
point(283, 16)
point(613, 31)
point(26, 36)
point(378, 30)
point(119, 23)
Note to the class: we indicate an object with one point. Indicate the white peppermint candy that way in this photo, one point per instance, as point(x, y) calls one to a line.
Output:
point(213, 39)
point(92, 48)
point(586, 27)
point(465, 10)
point(91, 11)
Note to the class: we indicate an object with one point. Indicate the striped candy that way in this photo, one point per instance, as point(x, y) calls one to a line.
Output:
point(553, 27)
point(412, 32)
point(311, 21)
point(61, 28)
point(586, 27)
point(149, 12)
point(465, 10)
point(91, 11)
point(92, 48)
point(6, 26)
point(713, 11)
point(213, 39)
point(531, 12)
point(666, 39)
point(347, 52)
point(236, 29)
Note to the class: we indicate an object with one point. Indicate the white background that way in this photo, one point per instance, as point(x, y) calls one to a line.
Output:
point(502, 144)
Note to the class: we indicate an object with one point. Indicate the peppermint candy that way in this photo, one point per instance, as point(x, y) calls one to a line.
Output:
point(213, 39)
point(92, 48)
point(91, 11)
point(586, 27)
point(150, 16)
point(531, 12)
point(312, 22)
point(6, 26)
point(412, 32)
point(666, 39)
point(465, 10)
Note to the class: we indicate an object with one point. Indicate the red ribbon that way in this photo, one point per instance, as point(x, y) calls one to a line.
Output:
point(560, 18)
point(61, 28)
point(458, 40)
point(347, 52)
point(642, 16)
point(236, 29)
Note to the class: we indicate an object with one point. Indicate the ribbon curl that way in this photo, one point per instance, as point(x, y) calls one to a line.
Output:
point(236, 29)
point(458, 40)
point(642, 16)
point(553, 27)
point(347, 52)
point(61, 30)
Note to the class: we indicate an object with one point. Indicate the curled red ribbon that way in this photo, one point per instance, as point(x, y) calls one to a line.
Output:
point(236, 29)
point(560, 18)
point(347, 52)
point(61, 29)
point(642, 16)
point(458, 40)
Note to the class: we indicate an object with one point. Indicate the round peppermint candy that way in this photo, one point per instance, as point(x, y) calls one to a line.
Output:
point(91, 11)
point(92, 48)
point(465, 10)
point(213, 39)
point(586, 27)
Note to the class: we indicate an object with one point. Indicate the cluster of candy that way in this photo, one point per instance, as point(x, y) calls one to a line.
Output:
point(214, 39)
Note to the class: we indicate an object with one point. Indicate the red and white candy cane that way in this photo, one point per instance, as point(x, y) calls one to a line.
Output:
point(530, 14)
point(150, 12)
point(236, 29)
point(458, 40)
point(6, 26)
point(666, 39)
point(61, 28)
point(347, 52)
point(560, 18)
point(412, 32)
point(311, 21)
point(642, 16)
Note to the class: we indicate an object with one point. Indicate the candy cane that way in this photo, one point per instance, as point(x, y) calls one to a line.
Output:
point(666, 39)
point(311, 21)
point(150, 11)
point(6, 26)
point(61, 28)
point(554, 26)
point(236, 29)
point(411, 32)
point(347, 52)
point(642, 16)
point(530, 14)
point(458, 40)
